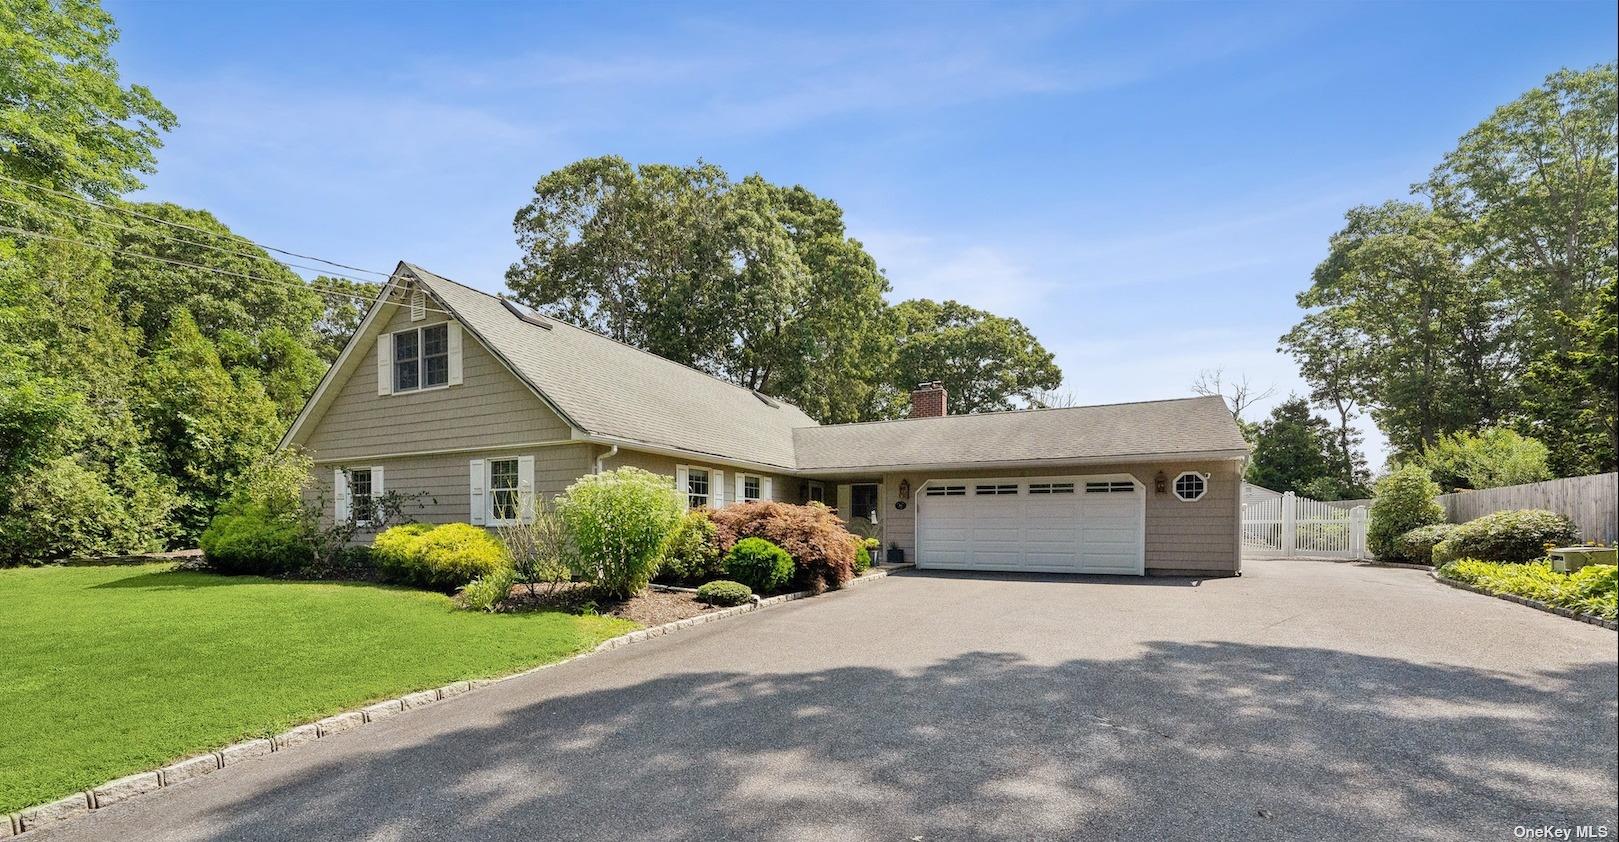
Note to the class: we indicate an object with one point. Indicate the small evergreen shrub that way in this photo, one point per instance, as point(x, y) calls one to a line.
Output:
point(488, 591)
point(1511, 536)
point(759, 564)
point(254, 542)
point(1401, 502)
point(619, 521)
point(441, 558)
point(723, 592)
point(1417, 545)
point(812, 535)
point(863, 555)
point(692, 553)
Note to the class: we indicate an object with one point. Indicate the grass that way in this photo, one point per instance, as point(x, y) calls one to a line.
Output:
point(107, 671)
point(1590, 590)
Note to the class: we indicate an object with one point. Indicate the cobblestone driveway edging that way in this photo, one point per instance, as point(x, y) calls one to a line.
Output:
point(1532, 603)
point(130, 786)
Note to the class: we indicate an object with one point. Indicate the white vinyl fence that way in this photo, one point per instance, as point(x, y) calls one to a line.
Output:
point(1286, 525)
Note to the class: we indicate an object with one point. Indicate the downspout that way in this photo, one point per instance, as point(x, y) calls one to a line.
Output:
point(611, 452)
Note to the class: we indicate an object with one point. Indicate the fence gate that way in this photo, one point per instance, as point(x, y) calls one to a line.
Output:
point(1282, 525)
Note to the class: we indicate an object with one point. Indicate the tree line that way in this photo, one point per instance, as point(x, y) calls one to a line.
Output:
point(1474, 321)
point(149, 356)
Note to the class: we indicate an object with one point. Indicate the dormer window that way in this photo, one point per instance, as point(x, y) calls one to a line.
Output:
point(421, 358)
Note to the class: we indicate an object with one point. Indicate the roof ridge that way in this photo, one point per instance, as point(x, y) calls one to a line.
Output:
point(564, 322)
point(1004, 412)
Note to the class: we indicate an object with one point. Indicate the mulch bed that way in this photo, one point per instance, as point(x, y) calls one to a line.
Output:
point(649, 608)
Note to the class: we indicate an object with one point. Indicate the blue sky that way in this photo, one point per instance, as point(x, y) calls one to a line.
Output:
point(1145, 186)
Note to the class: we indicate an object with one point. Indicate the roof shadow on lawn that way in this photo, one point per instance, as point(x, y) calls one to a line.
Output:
point(1181, 741)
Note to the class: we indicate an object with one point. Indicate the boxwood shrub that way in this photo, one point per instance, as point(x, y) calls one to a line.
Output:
point(724, 592)
point(441, 557)
point(1510, 536)
point(253, 542)
point(1417, 545)
point(759, 564)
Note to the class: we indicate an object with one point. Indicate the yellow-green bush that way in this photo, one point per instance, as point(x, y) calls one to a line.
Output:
point(1589, 590)
point(441, 558)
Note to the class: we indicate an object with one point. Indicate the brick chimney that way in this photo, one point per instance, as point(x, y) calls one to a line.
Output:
point(928, 400)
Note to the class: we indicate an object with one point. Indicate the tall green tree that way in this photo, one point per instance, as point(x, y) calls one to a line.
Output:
point(1296, 450)
point(751, 281)
point(1488, 459)
point(1569, 395)
point(986, 362)
point(208, 425)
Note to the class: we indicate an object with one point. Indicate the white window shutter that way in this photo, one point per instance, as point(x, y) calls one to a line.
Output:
point(385, 364)
point(478, 506)
point(418, 306)
point(764, 489)
point(525, 487)
point(340, 495)
point(845, 502)
point(740, 492)
point(453, 331)
point(716, 489)
point(376, 481)
point(683, 485)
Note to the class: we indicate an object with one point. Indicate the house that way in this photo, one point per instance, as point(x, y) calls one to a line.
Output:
point(481, 404)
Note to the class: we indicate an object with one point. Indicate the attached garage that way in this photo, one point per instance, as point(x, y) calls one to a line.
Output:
point(1059, 524)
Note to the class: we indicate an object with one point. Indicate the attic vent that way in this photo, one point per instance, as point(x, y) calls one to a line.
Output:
point(418, 305)
point(766, 399)
point(524, 314)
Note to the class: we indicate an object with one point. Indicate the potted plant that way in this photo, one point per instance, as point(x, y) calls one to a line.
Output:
point(872, 546)
point(895, 554)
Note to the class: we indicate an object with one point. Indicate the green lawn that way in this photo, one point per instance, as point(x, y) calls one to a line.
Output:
point(105, 671)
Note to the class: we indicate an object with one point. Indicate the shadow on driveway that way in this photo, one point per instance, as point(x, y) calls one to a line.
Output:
point(1183, 740)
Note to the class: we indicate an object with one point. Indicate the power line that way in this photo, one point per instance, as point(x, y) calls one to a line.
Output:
point(76, 197)
point(246, 254)
point(188, 265)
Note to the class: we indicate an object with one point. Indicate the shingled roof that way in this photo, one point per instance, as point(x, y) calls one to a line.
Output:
point(612, 390)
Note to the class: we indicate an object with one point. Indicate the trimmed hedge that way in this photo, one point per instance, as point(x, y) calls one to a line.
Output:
point(1511, 536)
point(440, 558)
point(253, 542)
point(723, 592)
point(822, 549)
point(759, 564)
point(1417, 545)
point(1593, 589)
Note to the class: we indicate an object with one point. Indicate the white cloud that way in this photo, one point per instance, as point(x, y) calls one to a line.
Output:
point(980, 275)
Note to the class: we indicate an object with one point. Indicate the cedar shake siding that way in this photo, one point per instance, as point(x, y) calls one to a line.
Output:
point(489, 408)
point(783, 489)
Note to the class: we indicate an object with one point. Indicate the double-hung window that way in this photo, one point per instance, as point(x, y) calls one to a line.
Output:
point(696, 487)
point(504, 500)
point(422, 358)
point(750, 488)
point(360, 504)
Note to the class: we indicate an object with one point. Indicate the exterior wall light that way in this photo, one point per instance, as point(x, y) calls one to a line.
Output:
point(1160, 483)
point(904, 489)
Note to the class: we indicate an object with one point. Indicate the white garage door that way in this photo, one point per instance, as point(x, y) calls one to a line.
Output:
point(1074, 524)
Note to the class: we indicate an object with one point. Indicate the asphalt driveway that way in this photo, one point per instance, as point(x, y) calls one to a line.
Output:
point(1303, 700)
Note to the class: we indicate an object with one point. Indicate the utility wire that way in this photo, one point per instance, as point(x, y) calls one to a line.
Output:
point(131, 211)
point(165, 238)
point(185, 264)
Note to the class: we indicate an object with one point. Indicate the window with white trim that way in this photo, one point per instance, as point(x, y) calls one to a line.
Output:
point(1008, 488)
point(1051, 488)
point(696, 487)
point(1112, 487)
point(504, 494)
point(360, 503)
point(1191, 485)
point(422, 358)
point(946, 491)
point(751, 487)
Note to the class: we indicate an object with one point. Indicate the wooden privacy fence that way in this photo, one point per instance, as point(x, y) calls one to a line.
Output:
point(1592, 502)
point(1288, 525)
